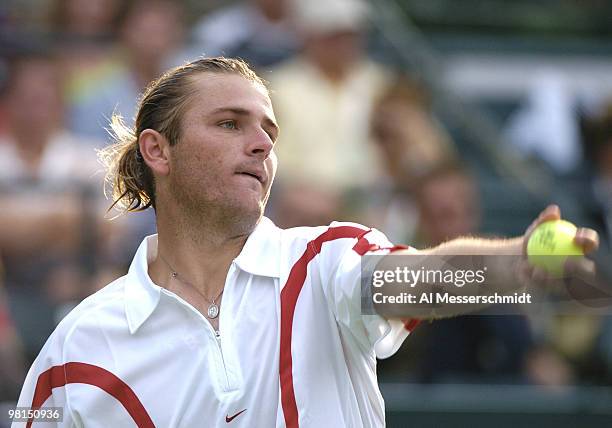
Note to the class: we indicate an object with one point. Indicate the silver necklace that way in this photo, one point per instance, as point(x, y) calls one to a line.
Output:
point(213, 308)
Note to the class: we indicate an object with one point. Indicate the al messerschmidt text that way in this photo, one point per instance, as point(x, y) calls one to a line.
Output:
point(449, 298)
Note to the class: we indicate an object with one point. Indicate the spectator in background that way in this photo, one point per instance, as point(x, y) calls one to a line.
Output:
point(484, 347)
point(259, 31)
point(448, 203)
point(82, 21)
point(35, 146)
point(323, 99)
point(405, 130)
point(411, 143)
point(150, 42)
point(46, 224)
point(86, 31)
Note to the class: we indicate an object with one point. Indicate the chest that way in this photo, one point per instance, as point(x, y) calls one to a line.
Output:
point(183, 374)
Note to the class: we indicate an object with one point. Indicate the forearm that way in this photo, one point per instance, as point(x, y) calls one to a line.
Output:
point(498, 268)
point(507, 270)
point(479, 246)
point(500, 263)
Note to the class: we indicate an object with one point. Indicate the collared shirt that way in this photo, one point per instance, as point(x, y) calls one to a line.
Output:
point(294, 349)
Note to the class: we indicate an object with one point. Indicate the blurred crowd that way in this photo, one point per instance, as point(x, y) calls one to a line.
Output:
point(360, 141)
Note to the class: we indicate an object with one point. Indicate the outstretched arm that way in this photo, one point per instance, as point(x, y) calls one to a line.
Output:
point(509, 277)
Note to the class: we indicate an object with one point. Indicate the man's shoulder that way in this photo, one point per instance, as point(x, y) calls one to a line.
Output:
point(109, 301)
point(302, 233)
point(317, 235)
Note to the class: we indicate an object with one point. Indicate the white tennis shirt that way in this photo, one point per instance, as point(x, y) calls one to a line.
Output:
point(294, 349)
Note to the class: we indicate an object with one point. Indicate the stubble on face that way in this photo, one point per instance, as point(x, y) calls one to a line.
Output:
point(205, 202)
point(202, 185)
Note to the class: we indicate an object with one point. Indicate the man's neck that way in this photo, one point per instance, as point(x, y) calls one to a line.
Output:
point(200, 257)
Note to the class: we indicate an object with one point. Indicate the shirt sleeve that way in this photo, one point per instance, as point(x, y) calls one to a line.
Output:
point(44, 386)
point(343, 292)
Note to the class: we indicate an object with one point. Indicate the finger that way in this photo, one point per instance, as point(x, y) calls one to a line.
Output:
point(551, 212)
point(584, 286)
point(579, 266)
point(588, 239)
point(539, 275)
point(524, 271)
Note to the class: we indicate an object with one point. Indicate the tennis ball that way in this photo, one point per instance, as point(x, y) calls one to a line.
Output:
point(550, 244)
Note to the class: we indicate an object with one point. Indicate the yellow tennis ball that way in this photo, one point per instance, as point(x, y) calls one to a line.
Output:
point(550, 244)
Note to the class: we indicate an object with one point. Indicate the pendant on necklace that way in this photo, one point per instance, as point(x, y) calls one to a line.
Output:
point(213, 311)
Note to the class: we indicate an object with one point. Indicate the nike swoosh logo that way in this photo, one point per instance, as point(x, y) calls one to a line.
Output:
point(228, 419)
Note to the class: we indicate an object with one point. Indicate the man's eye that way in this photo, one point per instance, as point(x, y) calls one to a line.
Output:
point(228, 124)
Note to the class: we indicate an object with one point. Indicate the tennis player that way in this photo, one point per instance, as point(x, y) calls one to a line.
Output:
point(223, 319)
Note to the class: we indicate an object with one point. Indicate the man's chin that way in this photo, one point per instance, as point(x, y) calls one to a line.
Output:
point(245, 216)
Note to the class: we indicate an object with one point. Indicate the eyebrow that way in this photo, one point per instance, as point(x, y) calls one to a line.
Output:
point(244, 112)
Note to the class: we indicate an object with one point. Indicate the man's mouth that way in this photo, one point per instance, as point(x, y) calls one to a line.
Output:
point(258, 175)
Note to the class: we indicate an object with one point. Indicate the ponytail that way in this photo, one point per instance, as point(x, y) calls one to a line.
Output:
point(130, 180)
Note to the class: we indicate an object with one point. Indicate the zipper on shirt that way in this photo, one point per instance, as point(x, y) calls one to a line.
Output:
point(220, 357)
point(215, 334)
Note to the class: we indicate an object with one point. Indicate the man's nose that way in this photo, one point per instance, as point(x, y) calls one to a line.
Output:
point(260, 144)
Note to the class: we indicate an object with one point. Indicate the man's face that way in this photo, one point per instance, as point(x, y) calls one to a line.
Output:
point(224, 158)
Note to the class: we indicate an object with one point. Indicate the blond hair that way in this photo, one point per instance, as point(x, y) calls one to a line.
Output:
point(161, 107)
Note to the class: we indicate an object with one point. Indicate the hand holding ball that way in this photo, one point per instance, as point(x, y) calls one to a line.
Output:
point(550, 244)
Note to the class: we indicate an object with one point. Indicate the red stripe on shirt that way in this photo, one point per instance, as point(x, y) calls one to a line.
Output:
point(363, 246)
point(289, 297)
point(73, 372)
point(411, 323)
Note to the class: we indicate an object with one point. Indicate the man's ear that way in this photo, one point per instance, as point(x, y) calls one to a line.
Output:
point(155, 150)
